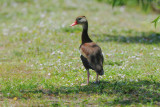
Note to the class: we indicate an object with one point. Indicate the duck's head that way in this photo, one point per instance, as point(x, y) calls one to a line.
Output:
point(80, 20)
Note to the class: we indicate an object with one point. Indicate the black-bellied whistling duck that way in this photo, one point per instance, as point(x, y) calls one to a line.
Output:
point(91, 54)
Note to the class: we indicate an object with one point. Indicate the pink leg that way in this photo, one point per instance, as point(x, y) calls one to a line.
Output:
point(97, 78)
point(88, 74)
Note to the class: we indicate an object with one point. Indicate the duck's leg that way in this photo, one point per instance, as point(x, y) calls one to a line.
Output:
point(88, 74)
point(97, 78)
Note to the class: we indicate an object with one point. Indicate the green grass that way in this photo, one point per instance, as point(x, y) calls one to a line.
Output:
point(40, 63)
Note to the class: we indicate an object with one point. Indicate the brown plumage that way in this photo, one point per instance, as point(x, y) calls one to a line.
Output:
point(91, 54)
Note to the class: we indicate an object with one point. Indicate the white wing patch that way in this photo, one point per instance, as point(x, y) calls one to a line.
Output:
point(82, 53)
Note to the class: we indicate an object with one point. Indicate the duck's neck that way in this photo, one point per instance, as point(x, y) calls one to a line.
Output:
point(85, 37)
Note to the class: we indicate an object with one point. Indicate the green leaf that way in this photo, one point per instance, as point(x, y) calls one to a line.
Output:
point(155, 21)
point(114, 2)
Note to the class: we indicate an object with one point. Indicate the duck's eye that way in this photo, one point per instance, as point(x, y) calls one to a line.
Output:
point(79, 18)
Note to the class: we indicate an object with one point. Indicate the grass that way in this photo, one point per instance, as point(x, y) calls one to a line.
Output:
point(40, 63)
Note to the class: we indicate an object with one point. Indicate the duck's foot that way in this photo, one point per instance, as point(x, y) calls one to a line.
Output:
point(83, 84)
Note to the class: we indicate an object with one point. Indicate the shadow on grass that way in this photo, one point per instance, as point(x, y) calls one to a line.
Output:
point(138, 37)
point(124, 92)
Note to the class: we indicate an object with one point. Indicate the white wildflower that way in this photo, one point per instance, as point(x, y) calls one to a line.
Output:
point(133, 57)
point(53, 53)
point(41, 24)
point(122, 76)
point(110, 76)
point(63, 25)
point(76, 79)
point(60, 52)
point(109, 54)
point(8, 94)
point(42, 15)
point(137, 58)
point(29, 41)
point(100, 77)
point(131, 80)
point(151, 53)
point(49, 74)
point(14, 4)
point(154, 48)
point(5, 32)
point(25, 29)
point(91, 77)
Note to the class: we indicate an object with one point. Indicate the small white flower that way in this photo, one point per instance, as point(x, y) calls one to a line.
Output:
point(82, 78)
point(24, 10)
point(25, 29)
point(8, 94)
point(137, 58)
point(49, 74)
point(154, 48)
point(14, 4)
point(131, 80)
point(133, 56)
point(59, 60)
point(122, 52)
point(91, 77)
point(51, 64)
point(151, 53)
point(63, 25)
point(119, 74)
point(109, 54)
point(29, 41)
point(122, 8)
point(41, 24)
point(53, 53)
point(61, 53)
point(42, 15)
point(15, 26)
point(122, 76)
point(5, 32)
point(110, 76)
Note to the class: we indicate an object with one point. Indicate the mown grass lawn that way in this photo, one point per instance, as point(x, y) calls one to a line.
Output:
point(40, 63)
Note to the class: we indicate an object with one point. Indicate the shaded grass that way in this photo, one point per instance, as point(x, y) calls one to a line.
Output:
point(136, 37)
point(122, 92)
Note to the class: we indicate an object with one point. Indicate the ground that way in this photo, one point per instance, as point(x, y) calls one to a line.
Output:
point(40, 62)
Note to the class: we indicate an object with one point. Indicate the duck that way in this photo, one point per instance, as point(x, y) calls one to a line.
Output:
point(90, 53)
